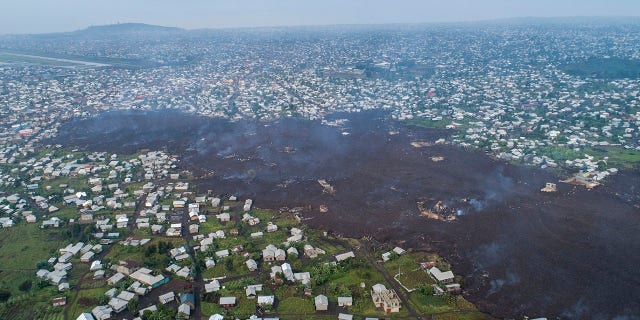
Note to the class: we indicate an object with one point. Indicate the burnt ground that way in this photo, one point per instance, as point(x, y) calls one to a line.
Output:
point(570, 254)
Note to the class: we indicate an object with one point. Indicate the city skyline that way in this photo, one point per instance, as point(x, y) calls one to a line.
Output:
point(33, 16)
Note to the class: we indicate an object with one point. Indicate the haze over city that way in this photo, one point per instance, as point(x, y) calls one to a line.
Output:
point(44, 16)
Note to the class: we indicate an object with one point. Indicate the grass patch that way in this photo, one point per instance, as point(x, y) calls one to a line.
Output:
point(21, 248)
point(296, 305)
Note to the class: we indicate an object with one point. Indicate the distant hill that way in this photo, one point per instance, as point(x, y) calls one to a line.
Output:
point(125, 29)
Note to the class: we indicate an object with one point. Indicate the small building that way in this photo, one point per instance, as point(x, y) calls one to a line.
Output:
point(58, 302)
point(85, 316)
point(167, 297)
point(184, 310)
point(188, 299)
point(321, 302)
point(453, 288)
point(345, 316)
point(151, 308)
point(212, 286)
point(252, 265)
point(118, 305)
point(442, 277)
point(114, 279)
point(222, 253)
point(345, 301)
point(227, 302)
point(265, 300)
point(102, 312)
point(344, 256)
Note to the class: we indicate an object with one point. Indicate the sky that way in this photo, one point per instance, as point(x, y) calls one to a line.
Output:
point(42, 16)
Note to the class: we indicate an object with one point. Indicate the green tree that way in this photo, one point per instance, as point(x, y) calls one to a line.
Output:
point(132, 305)
point(25, 285)
point(4, 295)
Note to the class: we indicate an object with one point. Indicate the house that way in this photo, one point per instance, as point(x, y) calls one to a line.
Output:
point(272, 253)
point(174, 232)
point(85, 316)
point(345, 301)
point(185, 272)
point(216, 316)
point(87, 257)
point(437, 291)
point(101, 312)
point(127, 296)
point(452, 288)
point(151, 308)
point(256, 235)
point(265, 300)
point(222, 253)
point(292, 251)
point(145, 276)
point(321, 302)
point(288, 271)
point(251, 265)
point(345, 316)
point(184, 310)
point(227, 302)
point(209, 263)
point(275, 270)
point(250, 292)
point(63, 286)
point(167, 297)
point(212, 286)
point(344, 256)
point(223, 217)
point(58, 302)
point(388, 300)
point(65, 257)
point(111, 293)
point(303, 277)
point(386, 256)
point(99, 274)
point(115, 279)
point(399, 251)
point(138, 288)
point(271, 227)
point(178, 204)
point(189, 299)
point(442, 277)
point(118, 305)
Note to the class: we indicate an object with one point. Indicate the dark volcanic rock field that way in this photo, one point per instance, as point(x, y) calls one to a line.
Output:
point(570, 254)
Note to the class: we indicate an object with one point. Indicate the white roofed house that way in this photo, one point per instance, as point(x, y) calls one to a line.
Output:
point(442, 277)
point(222, 253)
point(303, 277)
point(118, 305)
point(265, 300)
point(252, 265)
point(288, 272)
point(227, 302)
point(321, 303)
point(114, 279)
point(167, 297)
point(345, 301)
point(212, 286)
point(209, 263)
point(102, 312)
point(344, 256)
